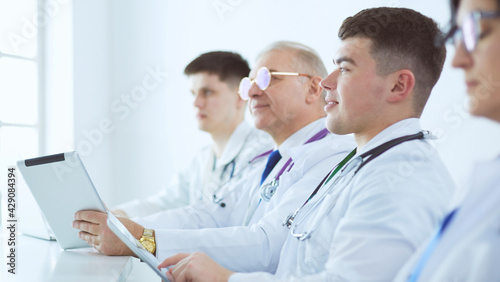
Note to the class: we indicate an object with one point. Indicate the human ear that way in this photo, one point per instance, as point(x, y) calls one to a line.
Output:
point(403, 83)
point(240, 103)
point(315, 89)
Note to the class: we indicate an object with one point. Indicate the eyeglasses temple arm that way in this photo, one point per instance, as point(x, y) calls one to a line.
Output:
point(289, 73)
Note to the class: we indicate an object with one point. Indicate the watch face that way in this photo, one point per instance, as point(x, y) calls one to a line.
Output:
point(148, 245)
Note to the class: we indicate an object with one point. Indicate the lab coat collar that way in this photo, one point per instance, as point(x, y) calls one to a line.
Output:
point(235, 144)
point(314, 152)
point(477, 213)
point(301, 136)
point(484, 181)
point(398, 129)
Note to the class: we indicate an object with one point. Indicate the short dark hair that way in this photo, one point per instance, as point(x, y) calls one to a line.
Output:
point(229, 66)
point(401, 39)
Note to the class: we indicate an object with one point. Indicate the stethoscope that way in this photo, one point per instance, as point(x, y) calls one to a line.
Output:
point(268, 190)
point(358, 163)
point(215, 198)
point(231, 164)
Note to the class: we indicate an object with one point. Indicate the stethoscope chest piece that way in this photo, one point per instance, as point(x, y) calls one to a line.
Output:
point(267, 190)
point(354, 163)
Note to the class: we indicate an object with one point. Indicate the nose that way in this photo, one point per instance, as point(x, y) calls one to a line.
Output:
point(198, 102)
point(462, 59)
point(254, 90)
point(329, 83)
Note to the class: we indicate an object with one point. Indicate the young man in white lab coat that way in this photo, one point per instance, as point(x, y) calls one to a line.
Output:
point(369, 218)
point(220, 111)
point(466, 246)
point(286, 101)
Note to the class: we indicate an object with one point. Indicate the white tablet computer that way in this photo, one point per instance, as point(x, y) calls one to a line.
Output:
point(61, 187)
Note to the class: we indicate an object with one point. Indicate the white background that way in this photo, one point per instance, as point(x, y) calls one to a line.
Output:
point(100, 50)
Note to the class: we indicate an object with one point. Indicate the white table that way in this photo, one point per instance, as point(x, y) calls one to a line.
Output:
point(41, 260)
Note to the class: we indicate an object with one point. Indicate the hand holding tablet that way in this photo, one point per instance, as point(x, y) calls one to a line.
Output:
point(62, 188)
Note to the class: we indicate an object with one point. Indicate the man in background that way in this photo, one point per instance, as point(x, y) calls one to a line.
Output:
point(287, 102)
point(370, 217)
point(220, 111)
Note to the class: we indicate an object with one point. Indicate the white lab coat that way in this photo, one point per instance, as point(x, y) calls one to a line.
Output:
point(254, 247)
point(381, 216)
point(469, 249)
point(205, 175)
point(237, 203)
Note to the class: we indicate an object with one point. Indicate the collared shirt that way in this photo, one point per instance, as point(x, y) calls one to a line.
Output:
point(205, 175)
point(469, 249)
point(302, 135)
point(370, 223)
point(256, 207)
point(257, 246)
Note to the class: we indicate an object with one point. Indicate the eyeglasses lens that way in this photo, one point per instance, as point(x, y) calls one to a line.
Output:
point(470, 32)
point(263, 78)
point(245, 85)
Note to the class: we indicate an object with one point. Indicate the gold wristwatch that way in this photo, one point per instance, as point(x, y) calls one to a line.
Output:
point(148, 240)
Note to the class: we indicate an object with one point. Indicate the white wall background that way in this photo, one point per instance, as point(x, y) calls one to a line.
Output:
point(116, 41)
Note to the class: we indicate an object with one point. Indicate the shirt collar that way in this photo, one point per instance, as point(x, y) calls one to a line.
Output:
point(302, 135)
point(235, 143)
point(398, 129)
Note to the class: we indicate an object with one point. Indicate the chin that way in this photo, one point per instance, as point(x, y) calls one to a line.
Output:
point(203, 127)
point(475, 108)
point(331, 124)
point(476, 112)
point(260, 123)
point(337, 128)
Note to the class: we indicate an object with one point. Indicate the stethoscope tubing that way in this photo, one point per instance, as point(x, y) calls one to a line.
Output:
point(290, 221)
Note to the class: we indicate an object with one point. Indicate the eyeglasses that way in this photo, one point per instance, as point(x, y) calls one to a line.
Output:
point(263, 79)
point(470, 32)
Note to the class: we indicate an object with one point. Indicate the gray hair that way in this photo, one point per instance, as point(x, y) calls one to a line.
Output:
point(306, 59)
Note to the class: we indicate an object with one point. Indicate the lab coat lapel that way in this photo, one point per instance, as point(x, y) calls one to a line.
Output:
point(478, 216)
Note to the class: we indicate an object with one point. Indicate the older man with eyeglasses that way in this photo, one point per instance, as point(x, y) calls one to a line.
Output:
point(246, 234)
point(366, 218)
